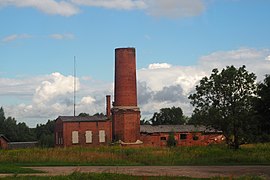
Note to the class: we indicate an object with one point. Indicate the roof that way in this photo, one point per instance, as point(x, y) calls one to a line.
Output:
point(176, 128)
point(83, 119)
point(19, 145)
point(4, 137)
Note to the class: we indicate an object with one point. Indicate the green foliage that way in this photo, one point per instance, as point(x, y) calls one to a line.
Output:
point(262, 108)
point(15, 131)
point(83, 115)
point(224, 101)
point(168, 116)
point(171, 142)
point(45, 134)
point(144, 122)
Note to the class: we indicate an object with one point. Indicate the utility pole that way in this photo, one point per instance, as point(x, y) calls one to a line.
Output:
point(74, 86)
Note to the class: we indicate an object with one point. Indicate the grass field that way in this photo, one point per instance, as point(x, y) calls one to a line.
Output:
point(12, 161)
point(113, 155)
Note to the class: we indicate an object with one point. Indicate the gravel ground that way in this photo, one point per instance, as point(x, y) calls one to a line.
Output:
point(190, 171)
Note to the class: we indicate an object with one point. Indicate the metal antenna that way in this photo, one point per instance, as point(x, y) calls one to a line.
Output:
point(74, 86)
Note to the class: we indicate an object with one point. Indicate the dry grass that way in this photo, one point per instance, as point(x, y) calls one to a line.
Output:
point(210, 155)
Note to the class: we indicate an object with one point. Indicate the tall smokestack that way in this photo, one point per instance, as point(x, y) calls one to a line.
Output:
point(125, 92)
point(125, 113)
point(108, 106)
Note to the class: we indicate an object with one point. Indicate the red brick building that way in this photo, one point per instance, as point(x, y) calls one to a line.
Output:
point(185, 135)
point(122, 121)
point(3, 142)
point(82, 131)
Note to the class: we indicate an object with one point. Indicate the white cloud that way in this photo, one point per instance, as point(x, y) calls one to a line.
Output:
point(47, 97)
point(55, 86)
point(159, 8)
point(14, 37)
point(254, 59)
point(167, 75)
point(267, 58)
point(64, 8)
point(64, 36)
point(113, 4)
point(87, 100)
point(159, 65)
point(175, 8)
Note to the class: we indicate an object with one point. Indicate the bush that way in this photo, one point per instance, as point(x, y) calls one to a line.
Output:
point(171, 142)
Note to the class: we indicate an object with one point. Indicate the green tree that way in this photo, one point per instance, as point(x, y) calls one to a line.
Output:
point(171, 142)
point(45, 134)
point(83, 115)
point(224, 101)
point(262, 107)
point(2, 120)
point(144, 122)
point(168, 116)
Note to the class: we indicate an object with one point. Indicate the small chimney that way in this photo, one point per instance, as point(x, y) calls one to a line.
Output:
point(108, 106)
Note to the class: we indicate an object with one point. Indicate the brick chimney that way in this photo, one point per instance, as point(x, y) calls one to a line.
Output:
point(125, 112)
point(108, 106)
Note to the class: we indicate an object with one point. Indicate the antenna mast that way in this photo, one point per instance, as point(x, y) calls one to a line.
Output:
point(74, 86)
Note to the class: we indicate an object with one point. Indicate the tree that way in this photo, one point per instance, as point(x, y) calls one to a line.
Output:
point(168, 116)
point(83, 115)
point(262, 108)
point(2, 120)
point(224, 101)
point(45, 134)
point(144, 122)
point(171, 142)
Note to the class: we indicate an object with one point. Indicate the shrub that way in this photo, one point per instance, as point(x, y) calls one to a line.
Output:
point(171, 142)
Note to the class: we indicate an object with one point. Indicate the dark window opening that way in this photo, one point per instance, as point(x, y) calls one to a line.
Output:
point(183, 136)
point(195, 138)
point(163, 138)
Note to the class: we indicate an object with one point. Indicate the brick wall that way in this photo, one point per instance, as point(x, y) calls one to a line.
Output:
point(81, 128)
point(182, 139)
point(3, 143)
point(126, 125)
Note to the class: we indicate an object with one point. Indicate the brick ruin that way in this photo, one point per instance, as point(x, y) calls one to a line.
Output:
point(122, 122)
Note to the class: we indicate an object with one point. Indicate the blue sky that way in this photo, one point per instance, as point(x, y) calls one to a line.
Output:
point(177, 43)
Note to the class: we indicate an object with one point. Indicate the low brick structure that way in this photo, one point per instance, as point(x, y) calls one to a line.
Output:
point(3, 142)
point(185, 135)
point(83, 131)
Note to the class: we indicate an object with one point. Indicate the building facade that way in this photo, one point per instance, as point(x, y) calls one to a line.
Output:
point(3, 142)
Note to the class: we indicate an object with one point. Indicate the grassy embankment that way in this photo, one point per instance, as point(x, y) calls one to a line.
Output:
point(211, 155)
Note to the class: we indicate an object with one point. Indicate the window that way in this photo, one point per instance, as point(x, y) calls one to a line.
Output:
point(75, 137)
point(183, 136)
point(163, 138)
point(101, 136)
point(195, 138)
point(88, 136)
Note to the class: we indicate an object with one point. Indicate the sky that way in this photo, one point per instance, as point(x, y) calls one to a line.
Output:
point(177, 42)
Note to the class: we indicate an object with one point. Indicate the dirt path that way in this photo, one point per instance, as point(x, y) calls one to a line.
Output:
point(190, 171)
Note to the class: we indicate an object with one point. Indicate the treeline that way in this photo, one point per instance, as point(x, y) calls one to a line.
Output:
point(20, 132)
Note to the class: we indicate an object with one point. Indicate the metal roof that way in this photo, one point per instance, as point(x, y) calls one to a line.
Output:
point(4, 137)
point(83, 119)
point(176, 128)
